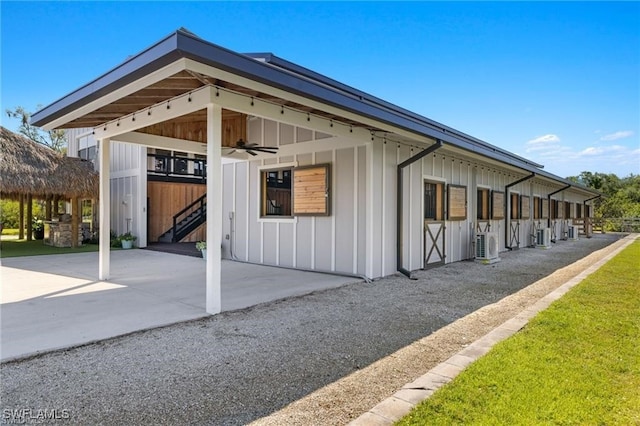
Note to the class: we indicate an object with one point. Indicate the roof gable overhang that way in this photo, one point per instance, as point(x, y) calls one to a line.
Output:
point(182, 62)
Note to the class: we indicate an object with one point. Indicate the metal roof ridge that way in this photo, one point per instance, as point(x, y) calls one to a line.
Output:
point(362, 96)
point(283, 74)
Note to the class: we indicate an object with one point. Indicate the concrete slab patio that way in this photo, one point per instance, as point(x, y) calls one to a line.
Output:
point(56, 301)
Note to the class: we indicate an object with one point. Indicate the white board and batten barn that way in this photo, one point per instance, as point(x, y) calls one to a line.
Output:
point(357, 185)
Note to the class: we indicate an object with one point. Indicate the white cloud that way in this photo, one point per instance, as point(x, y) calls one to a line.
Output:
point(591, 151)
point(617, 135)
point(543, 143)
point(613, 151)
point(568, 161)
point(550, 138)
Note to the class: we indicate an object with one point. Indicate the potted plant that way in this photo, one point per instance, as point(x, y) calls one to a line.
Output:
point(127, 240)
point(38, 228)
point(202, 246)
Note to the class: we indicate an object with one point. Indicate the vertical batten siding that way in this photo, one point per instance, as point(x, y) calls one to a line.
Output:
point(323, 235)
point(388, 190)
point(408, 216)
point(255, 227)
point(127, 165)
point(304, 228)
point(241, 211)
point(228, 175)
point(337, 242)
point(128, 197)
point(377, 202)
point(415, 205)
point(356, 183)
point(343, 211)
point(459, 234)
point(361, 200)
point(498, 225)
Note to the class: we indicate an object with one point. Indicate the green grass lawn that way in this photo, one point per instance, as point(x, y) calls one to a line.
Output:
point(576, 363)
point(16, 248)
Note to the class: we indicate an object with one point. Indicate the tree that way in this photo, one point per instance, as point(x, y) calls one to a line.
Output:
point(621, 197)
point(54, 139)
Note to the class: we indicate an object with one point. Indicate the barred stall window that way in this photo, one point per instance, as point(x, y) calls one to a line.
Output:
point(434, 201)
point(483, 204)
point(515, 205)
point(276, 193)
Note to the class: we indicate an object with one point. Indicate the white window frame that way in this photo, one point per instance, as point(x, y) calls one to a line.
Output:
point(273, 219)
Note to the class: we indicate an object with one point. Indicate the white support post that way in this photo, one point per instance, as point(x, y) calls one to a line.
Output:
point(214, 209)
point(105, 207)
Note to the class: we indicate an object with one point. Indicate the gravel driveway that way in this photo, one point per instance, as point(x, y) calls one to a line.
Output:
point(238, 367)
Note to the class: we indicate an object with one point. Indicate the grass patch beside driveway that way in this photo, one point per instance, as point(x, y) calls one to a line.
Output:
point(575, 363)
point(17, 248)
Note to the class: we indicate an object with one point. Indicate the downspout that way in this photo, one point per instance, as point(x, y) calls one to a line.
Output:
point(507, 213)
point(399, 200)
point(584, 209)
point(549, 203)
point(590, 199)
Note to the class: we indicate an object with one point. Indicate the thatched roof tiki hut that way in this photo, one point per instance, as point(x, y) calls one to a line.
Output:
point(29, 170)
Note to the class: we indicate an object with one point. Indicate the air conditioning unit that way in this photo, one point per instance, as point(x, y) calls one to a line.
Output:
point(487, 247)
point(572, 233)
point(543, 238)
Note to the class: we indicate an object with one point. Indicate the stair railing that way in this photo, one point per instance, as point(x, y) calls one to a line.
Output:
point(200, 202)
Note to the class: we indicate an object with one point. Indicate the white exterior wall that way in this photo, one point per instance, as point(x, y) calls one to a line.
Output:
point(337, 242)
point(129, 190)
point(359, 236)
point(529, 225)
point(128, 182)
point(448, 169)
point(496, 180)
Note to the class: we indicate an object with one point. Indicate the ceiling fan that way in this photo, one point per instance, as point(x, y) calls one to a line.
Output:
point(252, 148)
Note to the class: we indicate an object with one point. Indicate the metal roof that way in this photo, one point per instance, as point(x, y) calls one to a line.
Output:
point(279, 73)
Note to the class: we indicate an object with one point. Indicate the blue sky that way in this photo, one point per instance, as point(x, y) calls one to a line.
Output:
point(558, 83)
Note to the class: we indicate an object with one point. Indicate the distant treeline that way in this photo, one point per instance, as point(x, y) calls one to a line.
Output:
point(620, 196)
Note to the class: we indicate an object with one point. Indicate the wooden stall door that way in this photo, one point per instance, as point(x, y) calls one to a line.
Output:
point(514, 224)
point(433, 243)
point(434, 224)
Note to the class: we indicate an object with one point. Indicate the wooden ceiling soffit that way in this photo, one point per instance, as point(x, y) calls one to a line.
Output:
point(193, 127)
point(176, 85)
point(189, 126)
point(272, 99)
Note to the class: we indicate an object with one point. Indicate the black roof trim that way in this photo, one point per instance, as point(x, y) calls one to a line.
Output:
point(160, 54)
point(272, 59)
point(282, 74)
